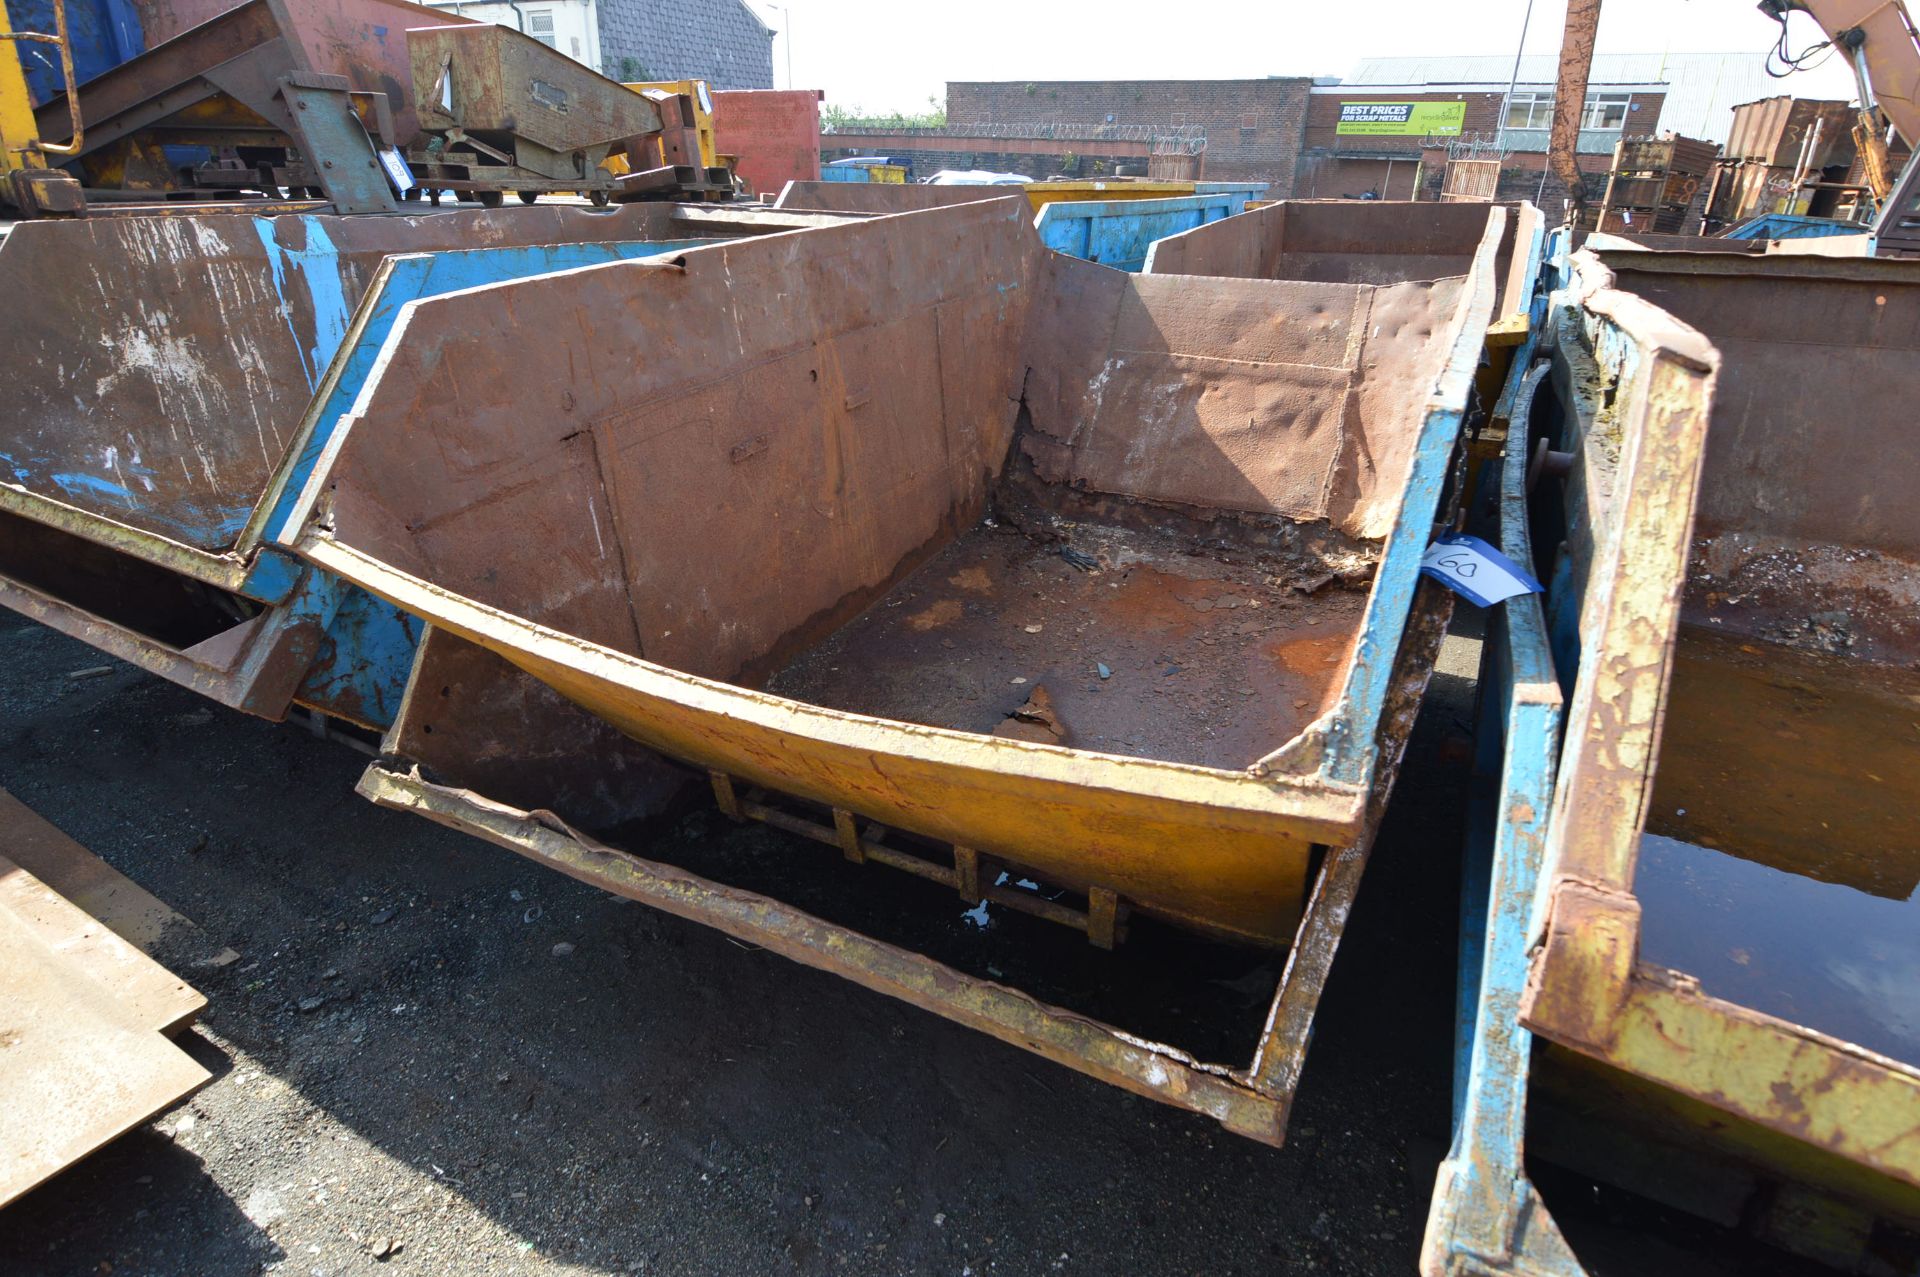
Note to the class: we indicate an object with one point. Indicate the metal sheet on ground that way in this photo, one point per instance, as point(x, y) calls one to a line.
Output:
point(78, 1069)
point(129, 910)
point(155, 997)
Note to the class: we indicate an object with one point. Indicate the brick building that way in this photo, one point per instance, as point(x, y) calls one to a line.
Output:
point(1389, 129)
point(1628, 95)
point(1394, 140)
point(1252, 127)
point(1040, 152)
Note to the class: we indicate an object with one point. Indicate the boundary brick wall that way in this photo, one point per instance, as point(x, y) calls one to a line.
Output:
point(1253, 127)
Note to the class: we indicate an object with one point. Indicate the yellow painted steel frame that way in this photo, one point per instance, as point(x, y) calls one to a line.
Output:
point(1640, 455)
point(18, 137)
point(702, 120)
point(1253, 1100)
point(1041, 194)
point(1032, 805)
point(1245, 838)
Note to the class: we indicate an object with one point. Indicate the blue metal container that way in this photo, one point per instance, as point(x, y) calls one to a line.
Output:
point(1118, 233)
point(1794, 226)
point(100, 33)
point(1485, 1214)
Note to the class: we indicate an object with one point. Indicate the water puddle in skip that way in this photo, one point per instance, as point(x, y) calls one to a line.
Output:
point(1781, 863)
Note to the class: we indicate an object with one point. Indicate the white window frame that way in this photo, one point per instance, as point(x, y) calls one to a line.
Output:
point(1599, 106)
point(1530, 109)
point(549, 37)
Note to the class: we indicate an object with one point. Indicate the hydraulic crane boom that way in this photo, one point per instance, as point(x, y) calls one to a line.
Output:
point(1882, 47)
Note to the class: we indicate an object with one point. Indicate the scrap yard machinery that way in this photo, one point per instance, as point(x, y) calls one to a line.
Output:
point(1882, 48)
point(362, 104)
point(1881, 44)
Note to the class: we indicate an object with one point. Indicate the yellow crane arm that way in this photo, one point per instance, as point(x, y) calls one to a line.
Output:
point(1881, 45)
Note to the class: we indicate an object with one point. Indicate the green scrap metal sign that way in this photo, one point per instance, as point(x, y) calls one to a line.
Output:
point(1402, 119)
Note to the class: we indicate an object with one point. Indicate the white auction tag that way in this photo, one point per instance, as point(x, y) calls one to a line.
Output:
point(1475, 570)
point(397, 171)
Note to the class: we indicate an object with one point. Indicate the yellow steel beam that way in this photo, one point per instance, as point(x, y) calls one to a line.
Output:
point(19, 140)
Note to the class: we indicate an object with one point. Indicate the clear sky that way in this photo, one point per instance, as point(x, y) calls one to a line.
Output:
point(887, 55)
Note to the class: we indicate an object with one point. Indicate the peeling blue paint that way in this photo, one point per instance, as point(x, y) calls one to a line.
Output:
point(94, 486)
point(364, 661)
point(318, 266)
point(1119, 233)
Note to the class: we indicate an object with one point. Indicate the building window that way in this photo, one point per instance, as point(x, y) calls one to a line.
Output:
point(1530, 109)
point(1605, 111)
point(1533, 109)
point(540, 27)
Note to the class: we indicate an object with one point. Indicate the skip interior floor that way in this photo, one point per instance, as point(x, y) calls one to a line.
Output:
point(1152, 649)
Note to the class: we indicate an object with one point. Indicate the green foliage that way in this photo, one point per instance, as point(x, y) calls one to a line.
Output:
point(840, 117)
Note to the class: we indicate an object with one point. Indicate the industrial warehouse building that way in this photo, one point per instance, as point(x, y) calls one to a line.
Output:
point(1386, 131)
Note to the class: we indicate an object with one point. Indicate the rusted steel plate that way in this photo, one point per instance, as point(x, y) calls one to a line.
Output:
point(1321, 240)
point(652, 537)
point(1129, 363)
point(501, 85)
point(883, 197)
point(80, 1068)
point(166, 368)
point(1743, 701)
point(365, 41)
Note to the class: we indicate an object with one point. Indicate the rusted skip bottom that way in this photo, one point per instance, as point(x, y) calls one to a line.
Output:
point(1146, 1068)
point(1244, 849)
point(1253, 1101)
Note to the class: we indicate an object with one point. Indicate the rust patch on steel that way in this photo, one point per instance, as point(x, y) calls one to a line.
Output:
point(899, 366)
point(1155, 651)
point(168, 362)
point(1320, 241)
point(1796, 579)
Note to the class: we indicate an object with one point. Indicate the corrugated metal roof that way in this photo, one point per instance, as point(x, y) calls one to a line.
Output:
point(1702, 88)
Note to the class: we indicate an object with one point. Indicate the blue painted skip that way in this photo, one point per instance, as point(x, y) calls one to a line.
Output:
point(1483, 1205)
point(361, 669)
point(1484, 1211)
point(100, 33)
point(1117, 233)
point(1794, 226)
